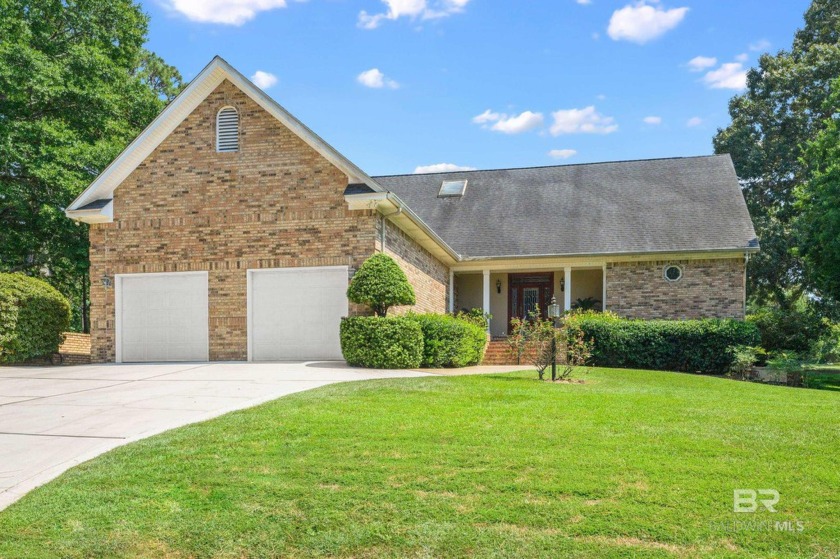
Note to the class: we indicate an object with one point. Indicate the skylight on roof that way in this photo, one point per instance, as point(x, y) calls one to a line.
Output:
point(452, 188)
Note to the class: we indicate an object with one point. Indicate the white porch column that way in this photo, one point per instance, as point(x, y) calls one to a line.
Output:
point(485, 305)
point(451, 291)
point(567, 294)
point(604, 294)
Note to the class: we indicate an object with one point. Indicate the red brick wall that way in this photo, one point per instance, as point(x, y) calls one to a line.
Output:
point(75, 349)
point(275, 203)
point(708, 289)
point(428, 275)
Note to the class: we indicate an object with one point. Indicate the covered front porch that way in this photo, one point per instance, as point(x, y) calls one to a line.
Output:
point(509, 293)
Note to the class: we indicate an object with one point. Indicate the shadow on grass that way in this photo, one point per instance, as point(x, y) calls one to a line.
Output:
point(823, 381)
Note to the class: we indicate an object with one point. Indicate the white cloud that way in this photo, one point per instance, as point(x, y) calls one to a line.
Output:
point(584, 2)
point(562, 153)
point(412, 9)
point(440, 168)
point(509, 124)
point(642, 22)
point(700, 63)
point(654, 120)
point(743, 57)
point(517, 124)
point(229, 12)
point(263, 80)
point(731, 75)
point(376, 79)
point(760, 46)
point(582, 121)
point(694, 121)
point(486, 116)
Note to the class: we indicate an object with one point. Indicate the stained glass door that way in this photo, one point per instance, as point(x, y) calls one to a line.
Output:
point(530, 300)
point(527, 292)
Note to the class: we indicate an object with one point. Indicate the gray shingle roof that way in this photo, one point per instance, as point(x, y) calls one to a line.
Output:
point(680, 204)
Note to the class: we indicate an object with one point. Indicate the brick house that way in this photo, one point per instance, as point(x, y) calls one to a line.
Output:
point(228, 230)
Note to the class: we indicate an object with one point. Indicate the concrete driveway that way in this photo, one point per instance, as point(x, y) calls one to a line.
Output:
point(52, 418)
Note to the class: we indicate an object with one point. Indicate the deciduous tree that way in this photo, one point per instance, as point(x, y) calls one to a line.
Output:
point(783, 107)
point(76, 85)
point(818, 203)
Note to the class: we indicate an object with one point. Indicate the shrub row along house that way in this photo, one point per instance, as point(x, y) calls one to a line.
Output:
point(228, 231)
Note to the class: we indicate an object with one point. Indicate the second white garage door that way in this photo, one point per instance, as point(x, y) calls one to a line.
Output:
point(295, 313)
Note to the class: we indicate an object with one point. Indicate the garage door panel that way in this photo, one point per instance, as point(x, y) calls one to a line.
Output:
point(296, 313)
point(163, 317)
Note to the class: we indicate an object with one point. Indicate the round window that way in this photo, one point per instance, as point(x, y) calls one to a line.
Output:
point(672, 272)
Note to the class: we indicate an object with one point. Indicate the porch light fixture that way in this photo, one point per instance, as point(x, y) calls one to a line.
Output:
point(562, 284)
point(498, 286)
point(106, 281)
point(553, 309)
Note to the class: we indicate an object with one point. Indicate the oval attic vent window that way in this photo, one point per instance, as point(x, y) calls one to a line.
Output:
point(227, 130)
point(673, 272)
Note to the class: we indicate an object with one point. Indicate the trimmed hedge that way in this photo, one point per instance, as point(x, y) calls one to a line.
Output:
point(706, 346)
point(449, 341)
point(382, 342)
point(33, 318)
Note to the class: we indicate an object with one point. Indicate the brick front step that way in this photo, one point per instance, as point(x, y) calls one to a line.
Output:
point(498, 353)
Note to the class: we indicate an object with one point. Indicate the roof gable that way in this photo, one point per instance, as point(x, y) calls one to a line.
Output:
point(218, 70)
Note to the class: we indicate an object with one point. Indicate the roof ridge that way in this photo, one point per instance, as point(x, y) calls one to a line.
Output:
point(554, 166)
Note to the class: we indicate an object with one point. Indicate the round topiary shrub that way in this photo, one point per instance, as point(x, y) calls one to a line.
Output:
point(380, 284)
point(33, 318)
point(381, 343)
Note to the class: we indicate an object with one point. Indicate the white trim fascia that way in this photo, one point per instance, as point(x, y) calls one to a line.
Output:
point(105, 214)
point(191, 97)
point(390, 206)
point(642, 255)
point(588, 261)
point(118, 306)
point(249, 295)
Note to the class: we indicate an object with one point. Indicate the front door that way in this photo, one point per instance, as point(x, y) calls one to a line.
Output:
point(527, 292)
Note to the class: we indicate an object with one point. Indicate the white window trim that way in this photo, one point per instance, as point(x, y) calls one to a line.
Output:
point(665, 272)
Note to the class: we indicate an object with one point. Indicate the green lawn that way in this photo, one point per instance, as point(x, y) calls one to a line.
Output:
point(630, 464)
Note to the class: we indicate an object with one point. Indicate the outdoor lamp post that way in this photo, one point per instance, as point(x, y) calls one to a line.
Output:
point(553, 314)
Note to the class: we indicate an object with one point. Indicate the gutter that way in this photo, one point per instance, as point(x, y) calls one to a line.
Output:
point(747, 250)
point(402, 209)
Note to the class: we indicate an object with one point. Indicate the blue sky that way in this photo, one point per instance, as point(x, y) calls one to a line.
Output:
point(400, 84)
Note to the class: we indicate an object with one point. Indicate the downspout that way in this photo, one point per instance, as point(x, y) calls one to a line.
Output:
point(746, 262)
point(382, 218)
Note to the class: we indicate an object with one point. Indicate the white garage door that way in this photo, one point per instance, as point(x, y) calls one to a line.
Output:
point(295, 313)
point(162, 317)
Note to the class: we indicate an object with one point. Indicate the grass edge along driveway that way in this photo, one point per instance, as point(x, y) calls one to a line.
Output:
point(630, 464)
